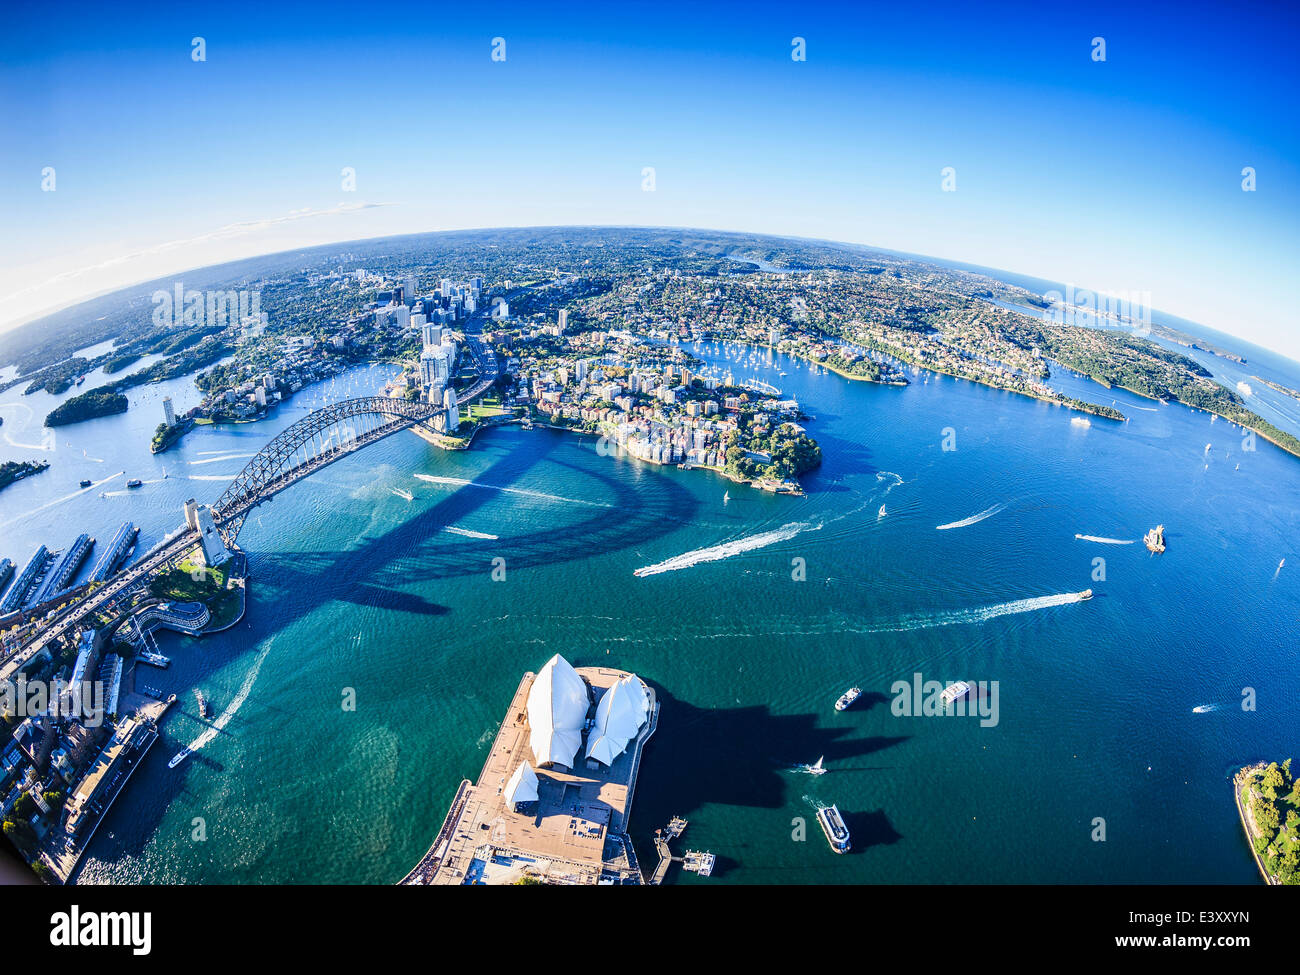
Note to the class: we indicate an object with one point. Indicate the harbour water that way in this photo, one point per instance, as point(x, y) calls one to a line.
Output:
point(358, 593)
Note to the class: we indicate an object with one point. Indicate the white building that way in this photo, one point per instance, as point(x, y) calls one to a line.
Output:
point(557, 710)
point(169, 414)
point(521, 787)
point(620, 713)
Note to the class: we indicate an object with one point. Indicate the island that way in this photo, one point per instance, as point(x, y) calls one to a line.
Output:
point(16, 470)
point(1268, 802)
point(88, 405)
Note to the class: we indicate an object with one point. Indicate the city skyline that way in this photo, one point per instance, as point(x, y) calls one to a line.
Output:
point(1123, 175)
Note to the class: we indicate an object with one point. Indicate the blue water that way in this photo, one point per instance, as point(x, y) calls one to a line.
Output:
point(356, 588)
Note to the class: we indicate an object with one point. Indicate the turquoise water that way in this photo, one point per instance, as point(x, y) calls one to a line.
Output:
point(357, 588)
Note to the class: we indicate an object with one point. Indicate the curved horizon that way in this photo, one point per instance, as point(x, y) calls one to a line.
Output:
point(1000, 274)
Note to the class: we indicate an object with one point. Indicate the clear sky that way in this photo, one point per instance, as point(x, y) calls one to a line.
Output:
point(1122, 175)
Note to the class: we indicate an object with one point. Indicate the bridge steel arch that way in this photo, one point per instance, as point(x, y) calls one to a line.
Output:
point(297, 451)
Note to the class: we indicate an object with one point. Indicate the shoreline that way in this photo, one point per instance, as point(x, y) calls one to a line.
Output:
point(1238, 782)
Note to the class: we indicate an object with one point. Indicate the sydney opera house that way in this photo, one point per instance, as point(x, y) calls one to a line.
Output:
point(552, 802)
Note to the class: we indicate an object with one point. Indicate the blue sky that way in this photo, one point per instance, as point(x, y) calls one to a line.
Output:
point(1122, 176)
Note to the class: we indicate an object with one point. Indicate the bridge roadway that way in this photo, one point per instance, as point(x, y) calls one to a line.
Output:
point(73, 614)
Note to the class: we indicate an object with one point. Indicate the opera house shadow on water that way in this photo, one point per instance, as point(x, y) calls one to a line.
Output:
point(739, 756)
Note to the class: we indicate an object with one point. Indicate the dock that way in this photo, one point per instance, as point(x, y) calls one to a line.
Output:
point(675, 828)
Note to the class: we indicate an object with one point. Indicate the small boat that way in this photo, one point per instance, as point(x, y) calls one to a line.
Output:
point(179, 757)
point(881, 513)
point(1155, 539)
point(726, 496)
point(1086, 594)
point(847, 698)
point(85, 482)
point(954, 692)
point(135, 482)
point(814, 769)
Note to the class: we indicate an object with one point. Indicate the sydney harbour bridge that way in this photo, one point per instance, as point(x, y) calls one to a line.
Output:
point(317, 440)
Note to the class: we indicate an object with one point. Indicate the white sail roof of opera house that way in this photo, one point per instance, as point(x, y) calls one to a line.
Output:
point(557, 709)
point(522, 786)
point(619, 717)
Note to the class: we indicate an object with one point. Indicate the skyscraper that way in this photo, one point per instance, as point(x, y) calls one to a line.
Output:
point(168, 413)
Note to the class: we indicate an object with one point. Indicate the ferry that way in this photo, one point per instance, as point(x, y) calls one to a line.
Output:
point(179, 757)
point(1086, 594)
point(205, 708)
point(700, 862)
point(135, 482)
point(954, 692)
point(847, 698)
point(837, 834)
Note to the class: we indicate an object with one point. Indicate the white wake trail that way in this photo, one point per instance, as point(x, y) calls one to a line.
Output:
point(724, 551)
point(469, 534)
point(1104, 541)
point(236, 703)
point(973, 519)
point(980, 614)
point(461, 482)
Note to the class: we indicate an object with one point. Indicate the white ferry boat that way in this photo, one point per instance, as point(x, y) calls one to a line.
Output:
point(837, 834)
point(179, 757)
point(847, 698)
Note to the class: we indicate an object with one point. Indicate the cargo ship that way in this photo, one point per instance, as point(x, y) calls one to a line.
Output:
point(837, 834)
point(847, 698)
point(1155, 539)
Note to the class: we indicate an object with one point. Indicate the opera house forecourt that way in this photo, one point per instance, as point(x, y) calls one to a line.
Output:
point(552, 802)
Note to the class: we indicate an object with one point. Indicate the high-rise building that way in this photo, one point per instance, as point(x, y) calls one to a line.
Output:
point(430, 336)
point(403, 316)
point(563, 320)
point(409, 287)
point(168, 413)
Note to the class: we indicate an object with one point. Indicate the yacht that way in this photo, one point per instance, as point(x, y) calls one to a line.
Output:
point(1086, 594)
point(847, 698)
point(814, 769)
point(179, 757)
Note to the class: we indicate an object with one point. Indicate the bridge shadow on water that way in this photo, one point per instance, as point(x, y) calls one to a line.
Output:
point(382, 568)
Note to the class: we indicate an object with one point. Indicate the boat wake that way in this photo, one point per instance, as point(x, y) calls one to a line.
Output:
point(1104, 541)
point(1205, 708)
point(726, 550)
point(470, 534)
point(405, 495)
point(217, 726)
point(220, 457)
point(66, 497)
point(461, 482)
point(973, 519)
point(981, 614)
